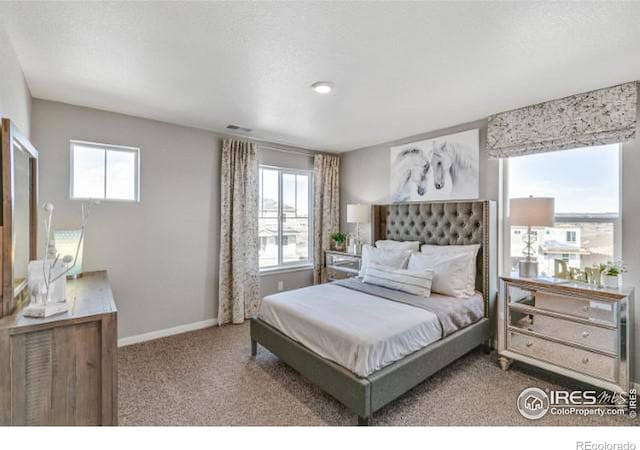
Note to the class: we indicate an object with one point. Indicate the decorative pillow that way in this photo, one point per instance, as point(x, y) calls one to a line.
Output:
point(413, 282)
point(392, 258)
point(388, 244)
point(471, 251)
point(450, 276)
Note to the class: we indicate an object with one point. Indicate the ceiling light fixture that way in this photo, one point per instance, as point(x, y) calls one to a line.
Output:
point(322, 87)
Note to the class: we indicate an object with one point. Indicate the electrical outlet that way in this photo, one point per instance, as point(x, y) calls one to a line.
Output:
point(280, 285)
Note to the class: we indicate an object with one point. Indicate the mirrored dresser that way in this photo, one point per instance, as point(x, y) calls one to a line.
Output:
point(574, 329)
point(340, 265)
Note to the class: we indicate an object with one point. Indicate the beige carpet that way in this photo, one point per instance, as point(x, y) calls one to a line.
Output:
point(208, 377)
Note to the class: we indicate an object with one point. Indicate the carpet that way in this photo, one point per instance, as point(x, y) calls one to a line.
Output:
point(208, 377)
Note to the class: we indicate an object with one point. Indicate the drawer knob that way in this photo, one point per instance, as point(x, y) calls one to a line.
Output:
point(585, 334)
point(585, 360)
point(529, 344)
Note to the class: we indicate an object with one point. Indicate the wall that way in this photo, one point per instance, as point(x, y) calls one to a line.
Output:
point(630, 235)
point(364, 173)
point(364, 178)
point(15, 98)
point(161, 253)
point(290, 279)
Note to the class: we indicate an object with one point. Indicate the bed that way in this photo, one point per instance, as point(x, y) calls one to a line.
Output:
point(378, 349)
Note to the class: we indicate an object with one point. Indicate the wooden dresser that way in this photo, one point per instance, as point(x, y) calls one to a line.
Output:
point(574, 329)
point(62, 370)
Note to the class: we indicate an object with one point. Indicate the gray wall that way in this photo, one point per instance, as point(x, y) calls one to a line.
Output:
point(161, 253)
point(15, 99)
point(364, 178)
point(364, 173)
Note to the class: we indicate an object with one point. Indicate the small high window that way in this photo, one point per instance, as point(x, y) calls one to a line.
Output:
point(104, 172)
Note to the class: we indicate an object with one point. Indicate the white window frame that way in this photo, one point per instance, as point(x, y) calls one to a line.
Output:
point(107, 148)
point(505, 226)
point(294, 265)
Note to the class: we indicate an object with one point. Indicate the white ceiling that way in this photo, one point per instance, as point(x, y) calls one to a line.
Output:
point(399, 68)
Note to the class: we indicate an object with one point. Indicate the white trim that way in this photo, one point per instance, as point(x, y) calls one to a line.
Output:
point(295, 265)
point(122, 342)
point(285, 269)
point(106, 148)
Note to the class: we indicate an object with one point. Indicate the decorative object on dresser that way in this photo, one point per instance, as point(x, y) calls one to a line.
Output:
point(62, 370)
point(18, 233)
point(611, 274)
point(341, 265)
point(47, 278)
point(357, 214)
point(574, 329)
point(441, 168)
point(338, 241)
point(531, 212)
point(71, 242)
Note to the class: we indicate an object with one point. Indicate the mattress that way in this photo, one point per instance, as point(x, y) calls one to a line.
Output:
point(359, 331)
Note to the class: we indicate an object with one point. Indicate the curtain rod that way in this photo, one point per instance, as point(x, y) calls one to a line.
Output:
point(285, 150)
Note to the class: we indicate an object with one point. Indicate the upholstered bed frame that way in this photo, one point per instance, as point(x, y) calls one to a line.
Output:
point(437, 223)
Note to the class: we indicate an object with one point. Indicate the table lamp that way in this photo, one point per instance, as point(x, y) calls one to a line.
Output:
point(357, 214)
point(531, 212)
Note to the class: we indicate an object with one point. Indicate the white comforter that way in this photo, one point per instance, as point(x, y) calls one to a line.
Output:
point(359, 331)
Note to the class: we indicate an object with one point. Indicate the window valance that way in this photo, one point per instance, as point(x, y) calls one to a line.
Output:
point(603, 116)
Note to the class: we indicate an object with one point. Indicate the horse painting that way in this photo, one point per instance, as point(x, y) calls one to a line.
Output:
point(443, 168)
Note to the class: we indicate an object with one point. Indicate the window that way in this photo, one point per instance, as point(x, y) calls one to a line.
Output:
point(104, 172)
point(585, 183)
point(284, 217)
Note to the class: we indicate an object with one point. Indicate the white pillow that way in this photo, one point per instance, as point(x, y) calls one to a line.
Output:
point(451, 275)
point(388, 244)
point(391, 258)
point(413, 282)
point(470, 250)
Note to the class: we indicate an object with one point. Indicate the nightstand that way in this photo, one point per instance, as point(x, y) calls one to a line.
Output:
point(340, 265)
point(574, 329)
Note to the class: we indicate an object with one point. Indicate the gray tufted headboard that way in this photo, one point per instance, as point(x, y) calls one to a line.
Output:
point(446, 223)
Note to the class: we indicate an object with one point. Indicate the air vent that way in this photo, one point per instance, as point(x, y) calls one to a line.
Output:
point(239, 128)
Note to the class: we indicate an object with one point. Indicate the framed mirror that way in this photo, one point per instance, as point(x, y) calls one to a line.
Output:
point(19, 202)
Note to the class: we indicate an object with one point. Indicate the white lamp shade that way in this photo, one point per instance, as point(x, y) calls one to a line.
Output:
point(532, 212)
point(357, 213)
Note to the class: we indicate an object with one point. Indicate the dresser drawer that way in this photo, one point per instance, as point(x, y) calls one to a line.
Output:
point(337, 274)
point(592, 336)
point(576, 306)
point(582, 361)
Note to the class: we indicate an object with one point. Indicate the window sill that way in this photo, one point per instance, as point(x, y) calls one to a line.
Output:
point(285, 269)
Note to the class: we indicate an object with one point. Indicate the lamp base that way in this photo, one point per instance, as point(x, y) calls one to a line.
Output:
point(528, 268)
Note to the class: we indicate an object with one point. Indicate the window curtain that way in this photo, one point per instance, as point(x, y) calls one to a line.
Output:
point(604, 116)
point(326, 207)
point(238, 293)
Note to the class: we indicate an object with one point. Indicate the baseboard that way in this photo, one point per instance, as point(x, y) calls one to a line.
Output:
point(166, 332)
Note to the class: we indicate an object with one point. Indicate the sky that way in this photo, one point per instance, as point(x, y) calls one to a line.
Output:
point(584, 180)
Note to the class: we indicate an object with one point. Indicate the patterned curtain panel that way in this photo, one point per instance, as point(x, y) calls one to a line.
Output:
point(238, 294)
point(326, 207)
point(605, 116)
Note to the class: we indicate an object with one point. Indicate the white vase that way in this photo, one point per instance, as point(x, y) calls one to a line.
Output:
point(611, 281)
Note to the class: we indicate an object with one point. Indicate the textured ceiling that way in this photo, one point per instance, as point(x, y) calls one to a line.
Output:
point(399, 68)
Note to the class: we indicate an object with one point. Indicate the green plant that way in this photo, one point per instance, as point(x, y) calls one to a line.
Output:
point(613, 269)
point(338, 237)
